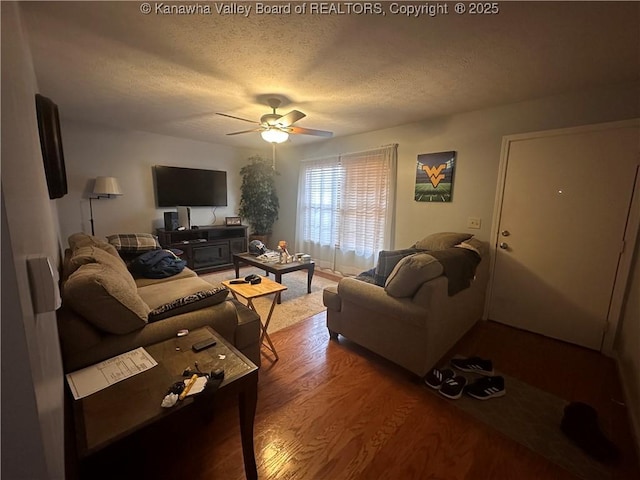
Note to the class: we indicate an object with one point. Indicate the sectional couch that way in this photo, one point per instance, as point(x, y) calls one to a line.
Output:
point(416, 304)
point(106, 311)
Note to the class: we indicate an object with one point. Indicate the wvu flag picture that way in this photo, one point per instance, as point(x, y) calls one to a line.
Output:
point(434, 177)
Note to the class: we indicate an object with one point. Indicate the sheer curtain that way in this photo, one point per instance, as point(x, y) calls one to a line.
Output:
point(345, 208)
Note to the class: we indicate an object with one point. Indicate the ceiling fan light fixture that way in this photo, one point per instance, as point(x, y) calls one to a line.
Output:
point(274, 135)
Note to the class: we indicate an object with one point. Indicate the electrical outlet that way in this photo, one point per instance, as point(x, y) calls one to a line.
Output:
point(474, 222)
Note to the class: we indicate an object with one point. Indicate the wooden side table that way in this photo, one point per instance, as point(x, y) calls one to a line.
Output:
point(262, 289)
point(114, 413)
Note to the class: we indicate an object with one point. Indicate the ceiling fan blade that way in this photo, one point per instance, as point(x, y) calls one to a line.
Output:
point(310, 131)
point(247, 131)
point(290, 118)
point(237, 118)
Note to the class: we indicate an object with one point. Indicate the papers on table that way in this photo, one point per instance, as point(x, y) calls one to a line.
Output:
point(97, 377)
point(269, 257)
point(198, 386)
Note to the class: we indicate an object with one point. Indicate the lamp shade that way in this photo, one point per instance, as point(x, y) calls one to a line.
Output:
point(274, 135)
point(106, 186)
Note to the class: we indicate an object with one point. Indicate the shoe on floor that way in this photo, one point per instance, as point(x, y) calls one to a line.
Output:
point(486, 388)
point(436, 377)
point(452, 387)
point(473, 365)
point(580, 424)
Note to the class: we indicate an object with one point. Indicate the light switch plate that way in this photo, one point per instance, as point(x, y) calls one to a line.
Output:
point(43, 282)
point(474, 222)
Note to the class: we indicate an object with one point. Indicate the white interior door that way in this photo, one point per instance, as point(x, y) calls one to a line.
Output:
point(564, 209)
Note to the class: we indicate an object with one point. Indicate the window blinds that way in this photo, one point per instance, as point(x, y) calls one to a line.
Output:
point(345, 206)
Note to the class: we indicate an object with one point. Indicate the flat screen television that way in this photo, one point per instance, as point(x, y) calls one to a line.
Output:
point(189, 187)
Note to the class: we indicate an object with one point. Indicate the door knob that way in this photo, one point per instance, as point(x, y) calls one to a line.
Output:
point(504, 245)
point(505, 233)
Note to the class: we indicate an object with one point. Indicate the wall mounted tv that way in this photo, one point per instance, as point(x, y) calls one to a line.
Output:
point(189, 187)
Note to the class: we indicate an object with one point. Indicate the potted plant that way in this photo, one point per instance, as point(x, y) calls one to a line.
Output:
point(258, 198)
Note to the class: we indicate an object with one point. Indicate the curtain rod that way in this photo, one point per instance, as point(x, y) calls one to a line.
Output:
point(338, 155)
point(369, 149)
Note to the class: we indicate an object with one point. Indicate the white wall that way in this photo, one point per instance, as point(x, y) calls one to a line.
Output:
point(476, 137)
point(32, 380)
point(92, 151)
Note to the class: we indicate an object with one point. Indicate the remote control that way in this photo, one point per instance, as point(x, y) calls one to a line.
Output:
point(210, 342)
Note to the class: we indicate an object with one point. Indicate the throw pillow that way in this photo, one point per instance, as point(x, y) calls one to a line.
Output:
point(105, 299)
point(134, 242)
point(92, 254)
point(410, 273)
point(387, 260)
point(188, 303)
point(80, 239)
point(441, 241)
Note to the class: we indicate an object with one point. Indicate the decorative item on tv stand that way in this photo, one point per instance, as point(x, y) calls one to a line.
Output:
point(258, 199)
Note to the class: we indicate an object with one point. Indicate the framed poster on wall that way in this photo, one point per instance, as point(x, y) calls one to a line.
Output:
point(434, 177)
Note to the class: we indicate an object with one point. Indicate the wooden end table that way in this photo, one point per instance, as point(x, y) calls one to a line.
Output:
point(278, 269)
point(262, 289)
point(123, 408)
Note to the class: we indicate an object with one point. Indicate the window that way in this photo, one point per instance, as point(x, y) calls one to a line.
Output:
point(345, 208)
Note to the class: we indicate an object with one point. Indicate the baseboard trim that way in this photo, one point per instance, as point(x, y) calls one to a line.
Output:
point(633, 414)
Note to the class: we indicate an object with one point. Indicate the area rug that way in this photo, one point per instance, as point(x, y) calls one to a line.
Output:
point(532, 417)
point(296, 304)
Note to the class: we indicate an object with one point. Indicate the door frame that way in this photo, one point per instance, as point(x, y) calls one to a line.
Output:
point(628, 242)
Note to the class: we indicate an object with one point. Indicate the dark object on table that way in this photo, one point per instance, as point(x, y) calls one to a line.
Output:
point(177, 388)
point(256, 247)
point(253, 279)
point(214, 380)
point(210, 342)
point(580, 424)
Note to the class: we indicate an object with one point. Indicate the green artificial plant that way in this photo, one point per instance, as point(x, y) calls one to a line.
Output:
point(258, 198)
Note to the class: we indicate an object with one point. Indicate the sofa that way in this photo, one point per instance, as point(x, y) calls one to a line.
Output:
point(416, 304)
point(107, 311)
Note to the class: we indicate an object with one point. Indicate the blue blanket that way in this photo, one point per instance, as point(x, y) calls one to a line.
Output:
point(157, 264)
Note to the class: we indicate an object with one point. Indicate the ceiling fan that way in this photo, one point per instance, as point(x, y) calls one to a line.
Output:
point(275, 128)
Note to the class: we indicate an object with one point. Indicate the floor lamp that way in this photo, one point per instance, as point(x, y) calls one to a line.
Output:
point(104, 187)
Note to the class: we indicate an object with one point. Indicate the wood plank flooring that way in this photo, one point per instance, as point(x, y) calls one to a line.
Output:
point(332, 410)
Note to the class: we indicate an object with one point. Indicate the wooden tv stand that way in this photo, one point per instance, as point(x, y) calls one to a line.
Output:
point(206, 248)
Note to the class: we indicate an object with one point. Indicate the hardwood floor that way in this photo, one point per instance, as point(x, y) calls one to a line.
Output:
point(330, 410)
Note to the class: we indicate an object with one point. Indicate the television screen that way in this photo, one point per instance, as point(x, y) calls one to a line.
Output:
point(189, 187)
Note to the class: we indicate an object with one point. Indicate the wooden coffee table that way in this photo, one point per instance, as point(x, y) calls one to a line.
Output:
point(121, 409)
point(278, 269)
point(262, 289)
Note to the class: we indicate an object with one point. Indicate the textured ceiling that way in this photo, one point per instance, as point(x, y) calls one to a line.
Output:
point(107, 63)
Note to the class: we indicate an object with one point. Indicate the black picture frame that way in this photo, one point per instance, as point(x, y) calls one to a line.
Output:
point(232, 221)
point(51, 145)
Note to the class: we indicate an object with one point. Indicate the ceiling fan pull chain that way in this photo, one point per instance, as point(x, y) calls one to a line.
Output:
point(273, 162)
